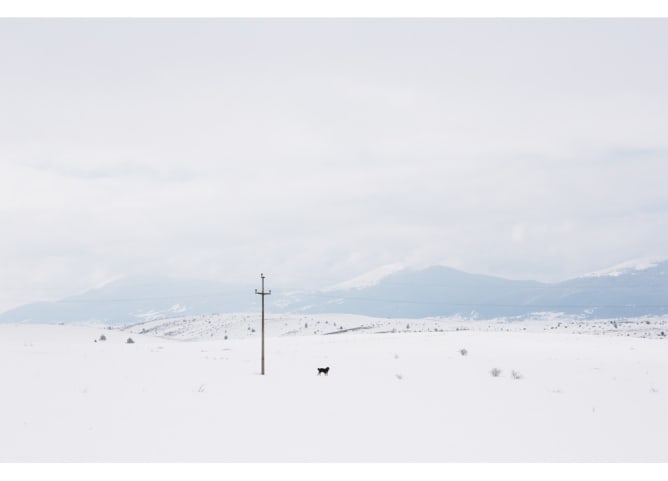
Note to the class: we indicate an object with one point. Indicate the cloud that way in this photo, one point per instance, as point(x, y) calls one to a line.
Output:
point(317, 150)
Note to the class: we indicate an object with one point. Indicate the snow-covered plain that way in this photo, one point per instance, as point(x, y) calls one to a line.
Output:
point(398, 390)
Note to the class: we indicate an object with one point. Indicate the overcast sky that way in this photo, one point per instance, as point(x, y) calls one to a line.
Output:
point(317, 150)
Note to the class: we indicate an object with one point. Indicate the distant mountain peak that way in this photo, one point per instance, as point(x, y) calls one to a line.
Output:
point(368, 279)
point(640, 264)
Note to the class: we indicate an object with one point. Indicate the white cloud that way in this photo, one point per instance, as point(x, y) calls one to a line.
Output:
point(319, 150)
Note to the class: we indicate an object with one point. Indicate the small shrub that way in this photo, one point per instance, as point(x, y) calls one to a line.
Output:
point(130, 341)
point(463, 352)
point(496, 372)
point(516, 375)
point(103, 337)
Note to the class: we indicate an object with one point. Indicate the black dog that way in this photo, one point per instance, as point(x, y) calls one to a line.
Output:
point(323, 370)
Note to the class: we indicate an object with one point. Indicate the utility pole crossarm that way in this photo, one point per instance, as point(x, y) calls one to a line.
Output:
point(262, 293)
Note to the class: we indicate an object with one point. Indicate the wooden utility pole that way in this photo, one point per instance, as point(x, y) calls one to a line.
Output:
point(262, 293)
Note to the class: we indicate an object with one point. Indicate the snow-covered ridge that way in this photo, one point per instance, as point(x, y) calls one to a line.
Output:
point(626, 267)
point(368, 279)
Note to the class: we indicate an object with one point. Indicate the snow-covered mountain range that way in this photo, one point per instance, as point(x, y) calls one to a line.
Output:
point(137, 299)
point(627, 290)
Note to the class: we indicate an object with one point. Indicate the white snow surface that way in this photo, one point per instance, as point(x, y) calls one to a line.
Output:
point(397, 390)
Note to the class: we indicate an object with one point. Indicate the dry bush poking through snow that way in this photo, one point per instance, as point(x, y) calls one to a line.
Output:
point(463, 352)
point(516, 375)
point(496, 372)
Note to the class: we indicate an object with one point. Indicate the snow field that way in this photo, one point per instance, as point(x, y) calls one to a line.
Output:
point(409, 397)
